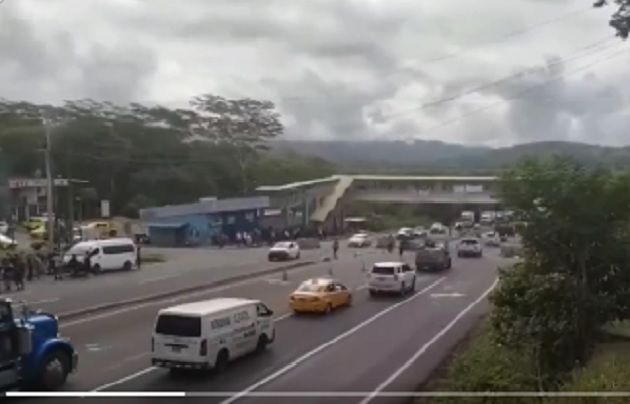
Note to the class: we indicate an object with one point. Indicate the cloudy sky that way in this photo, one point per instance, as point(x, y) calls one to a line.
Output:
point(491, 72)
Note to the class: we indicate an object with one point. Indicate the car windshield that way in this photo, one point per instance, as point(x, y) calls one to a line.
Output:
point(382, 270)
point(311, 287)
point(470, 242)
point(284, 244)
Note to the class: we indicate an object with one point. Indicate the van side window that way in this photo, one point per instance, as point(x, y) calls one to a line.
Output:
point(241, 316)
point(220, 323)
point(263, 311)
point(118, 249)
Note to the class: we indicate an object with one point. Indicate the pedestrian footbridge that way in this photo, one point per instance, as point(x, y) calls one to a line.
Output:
point(321, 201)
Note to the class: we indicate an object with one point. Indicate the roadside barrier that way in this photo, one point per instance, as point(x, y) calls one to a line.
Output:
point(182, 291)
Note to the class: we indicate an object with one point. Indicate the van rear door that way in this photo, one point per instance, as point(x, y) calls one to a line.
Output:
point(178, 338)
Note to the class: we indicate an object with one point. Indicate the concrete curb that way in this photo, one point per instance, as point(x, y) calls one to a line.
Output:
point(181, 291)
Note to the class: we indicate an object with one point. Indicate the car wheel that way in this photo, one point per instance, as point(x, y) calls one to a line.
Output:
point(373, 292)
point(127, 266)
point(55, 371)
point(96, 269)
point(349, 302)
point(297, 257)
point(221, 363)
point(262, 343)
point(403, 289)
point(413, 285)
point(328, 308)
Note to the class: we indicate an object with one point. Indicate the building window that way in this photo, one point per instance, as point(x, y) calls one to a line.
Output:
point(231, 219)
point(249, 216)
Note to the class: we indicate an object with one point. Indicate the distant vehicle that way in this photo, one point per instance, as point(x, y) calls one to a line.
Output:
point(320, 295)
point(4, 227)
point(106, 255)
point(420, 232)
point(491, 239)
point(469, 247)
point(391, 277)
point(34, 355)
point(438, 228)
point(487, 218)
point(283, 251)
point(7, 243)
point(405, 233)
point(468, 217)
point(360, 240)
point(433, 257)
point(209, 334)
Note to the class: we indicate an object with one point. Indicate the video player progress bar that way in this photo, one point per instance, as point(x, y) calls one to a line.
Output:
point(297, 394)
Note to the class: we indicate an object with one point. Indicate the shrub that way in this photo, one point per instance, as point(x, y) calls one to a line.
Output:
point(486, 366)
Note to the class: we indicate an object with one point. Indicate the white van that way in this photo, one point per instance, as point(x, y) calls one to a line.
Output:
point(209, 334)
point(106, 255)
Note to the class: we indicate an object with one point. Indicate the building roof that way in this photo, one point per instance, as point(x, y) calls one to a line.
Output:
point(205, 207)
point(334, 178)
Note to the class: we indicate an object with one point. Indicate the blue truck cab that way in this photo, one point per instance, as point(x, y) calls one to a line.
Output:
point(32, 353)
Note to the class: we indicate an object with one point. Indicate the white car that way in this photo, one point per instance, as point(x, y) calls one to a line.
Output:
point(420, 232)
point(404, 233)
point(6, 242)
point(284, 250)
point(492, 239)
point(469, 247)
point(4, 227)
point(391, 277)
point(360, 240)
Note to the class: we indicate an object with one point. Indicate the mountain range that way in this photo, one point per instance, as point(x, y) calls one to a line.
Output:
point(422, 154)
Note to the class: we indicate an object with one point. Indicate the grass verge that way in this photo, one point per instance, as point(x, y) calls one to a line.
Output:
point(479, 364)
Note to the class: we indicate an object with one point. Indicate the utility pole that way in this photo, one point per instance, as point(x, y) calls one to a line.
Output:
point(49, 184)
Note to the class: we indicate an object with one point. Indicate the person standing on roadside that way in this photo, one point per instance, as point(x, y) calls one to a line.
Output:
point(138, 257)
point(335, 247)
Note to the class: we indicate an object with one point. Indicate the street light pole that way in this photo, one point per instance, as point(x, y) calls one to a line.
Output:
point(49, 185)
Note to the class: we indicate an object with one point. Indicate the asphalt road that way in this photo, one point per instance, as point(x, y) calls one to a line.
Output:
point(198, 267)
point(388, 344)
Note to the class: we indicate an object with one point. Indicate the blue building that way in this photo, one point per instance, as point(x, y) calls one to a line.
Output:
point(197, 223)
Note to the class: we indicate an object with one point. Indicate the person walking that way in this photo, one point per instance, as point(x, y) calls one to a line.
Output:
point(335, 248)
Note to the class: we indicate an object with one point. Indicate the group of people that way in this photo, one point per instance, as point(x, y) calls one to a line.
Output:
point(16, 268)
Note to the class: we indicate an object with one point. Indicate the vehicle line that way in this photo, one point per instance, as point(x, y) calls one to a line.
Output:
point(290, 366)
point(428, 345)
point(278, 319)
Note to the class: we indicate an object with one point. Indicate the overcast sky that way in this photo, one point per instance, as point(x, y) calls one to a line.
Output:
point(347, 69)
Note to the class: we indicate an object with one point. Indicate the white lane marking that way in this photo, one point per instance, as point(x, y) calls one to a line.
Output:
point(331, 342)
point(158, 278)
point(428, 345)
point(172, 299)
point(51, 300)
point(152, 368)
point(438, 295)
point(362, 287)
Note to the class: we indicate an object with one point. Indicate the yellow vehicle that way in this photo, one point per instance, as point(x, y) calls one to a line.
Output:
point(320, 295)
point(39, 233)
point(102, 229)
point(35, 222)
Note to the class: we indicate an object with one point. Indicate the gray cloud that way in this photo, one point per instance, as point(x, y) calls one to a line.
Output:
point(337, 68)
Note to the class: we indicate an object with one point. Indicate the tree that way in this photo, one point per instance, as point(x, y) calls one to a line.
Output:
point(576, 242)
point(139, 155)
point(620, 20)
point(244, 124)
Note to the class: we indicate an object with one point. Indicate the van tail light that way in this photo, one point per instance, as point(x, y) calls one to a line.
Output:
point(152, 344)
point(203, 348)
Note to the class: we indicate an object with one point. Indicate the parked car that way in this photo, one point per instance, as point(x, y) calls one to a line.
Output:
point(284, 250)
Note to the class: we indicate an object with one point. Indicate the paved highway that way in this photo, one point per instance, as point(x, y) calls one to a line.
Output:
point(197, 268)
point(388, 344)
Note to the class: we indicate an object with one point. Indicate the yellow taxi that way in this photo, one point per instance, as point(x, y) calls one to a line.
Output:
point(320, 295)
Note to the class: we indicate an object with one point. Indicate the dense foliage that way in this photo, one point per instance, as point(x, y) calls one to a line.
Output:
point(574, 278)
point(620, 20)
point(139, 155)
